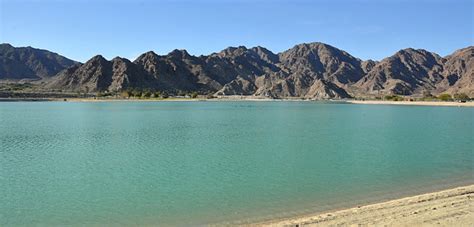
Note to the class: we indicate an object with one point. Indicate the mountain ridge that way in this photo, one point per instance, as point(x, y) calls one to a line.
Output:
point(30, 63)
point(308, 70)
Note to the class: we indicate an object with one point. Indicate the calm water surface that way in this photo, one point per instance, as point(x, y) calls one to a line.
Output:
point(182, 163)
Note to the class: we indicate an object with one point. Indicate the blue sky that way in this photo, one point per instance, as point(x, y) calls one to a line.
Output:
point(367, 29)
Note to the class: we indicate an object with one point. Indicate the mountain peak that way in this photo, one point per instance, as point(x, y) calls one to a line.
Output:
point(179, 53)
point(313, 70)
point(409, 71)
point(31, 63)
point(97, 58)
point(467, 50)
point(120, 59)
point(6, 45)
point(411, 51)
point(416, 55)
point(314, 45)
point(260, 48)
point(416, 52)
point(150, 53)
point(235, 48)
point(265, 54)
point(232, 51)
point(147, 56)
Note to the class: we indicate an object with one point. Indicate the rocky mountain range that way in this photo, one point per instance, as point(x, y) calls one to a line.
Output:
point(30, 63)
point(309, 70)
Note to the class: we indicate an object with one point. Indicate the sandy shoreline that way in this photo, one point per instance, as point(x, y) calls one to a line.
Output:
point(452, 207)
point(415, 103)
point(243, 98)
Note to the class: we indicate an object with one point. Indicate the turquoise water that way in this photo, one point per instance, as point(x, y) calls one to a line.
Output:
point(183, 163)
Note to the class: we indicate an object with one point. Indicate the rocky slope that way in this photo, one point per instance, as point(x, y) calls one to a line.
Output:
point(407, 72)
point(312, 70)
point(458, 73)
point(98, 74)
point(30, 63)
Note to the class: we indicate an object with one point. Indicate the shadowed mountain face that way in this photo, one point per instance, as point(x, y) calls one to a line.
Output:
point(458, 74)
point(30, 63)
point(313, 71)
point(321, 61)
point(176, 71)
point(407, 72)
point(98, 74)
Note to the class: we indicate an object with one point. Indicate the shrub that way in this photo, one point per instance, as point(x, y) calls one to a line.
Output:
point(137, 93)
point(445, 97)
point(393, 98)
point(146, 94)
point(194, 95)
point(101, 94)
point(210, 96)
point(461, 97)
point(181, 93)
point(427, 94)
point(125, 94)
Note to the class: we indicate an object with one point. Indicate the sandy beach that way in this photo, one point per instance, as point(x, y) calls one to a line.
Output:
point(244, 98)
point(415, 103)
point(453, 207)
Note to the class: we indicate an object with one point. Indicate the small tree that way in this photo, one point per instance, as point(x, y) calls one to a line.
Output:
point(461, 97)
point(137, 93)
point(210, 96)
point(102, 94)
point(146, 94)
point(427, 94)
point(194, 95)
point(181, 93)
point(124, 94)
point(156, 94)
point(445, 97)
point(393, 98)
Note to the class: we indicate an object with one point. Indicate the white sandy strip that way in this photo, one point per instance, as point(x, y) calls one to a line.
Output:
point(419, 103)
point(454, 207)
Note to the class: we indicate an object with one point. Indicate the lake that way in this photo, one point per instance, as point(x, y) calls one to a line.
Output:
point(195, 163)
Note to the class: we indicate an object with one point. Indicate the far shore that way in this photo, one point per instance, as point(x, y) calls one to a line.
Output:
point(239, 98)
point(169, 99)
point(452, 207)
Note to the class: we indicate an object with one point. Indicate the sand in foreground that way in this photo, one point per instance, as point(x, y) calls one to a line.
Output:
point(454, 207)
point(419, 103)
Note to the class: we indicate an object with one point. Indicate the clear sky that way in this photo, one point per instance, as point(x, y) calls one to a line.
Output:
point(367, 29)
